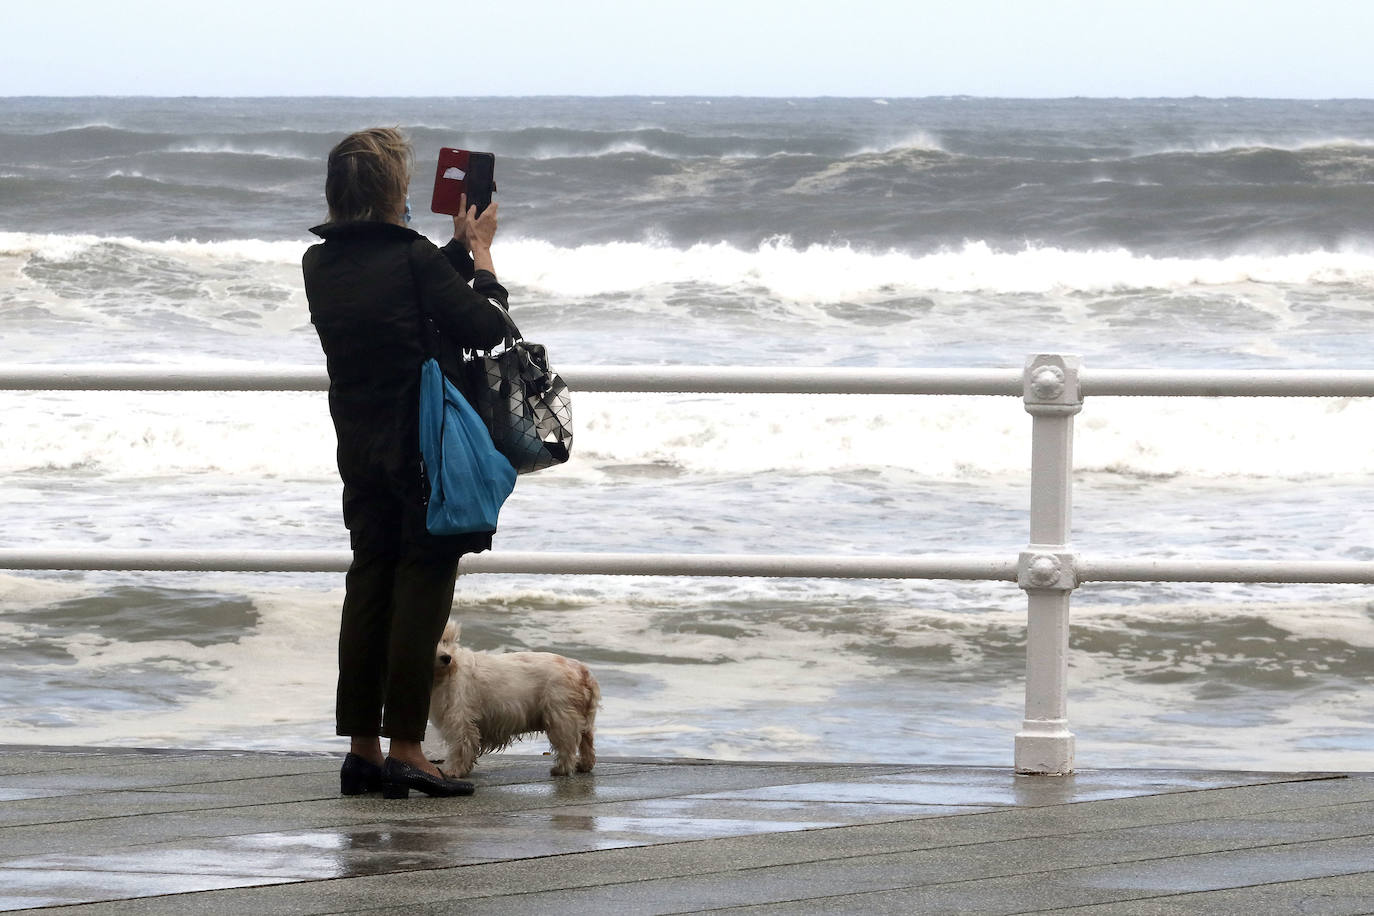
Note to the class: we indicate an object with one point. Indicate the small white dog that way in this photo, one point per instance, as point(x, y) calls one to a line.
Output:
point(483, 702)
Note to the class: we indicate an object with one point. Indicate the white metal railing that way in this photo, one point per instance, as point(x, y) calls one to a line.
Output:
point(734, 379)
point(1051, 386)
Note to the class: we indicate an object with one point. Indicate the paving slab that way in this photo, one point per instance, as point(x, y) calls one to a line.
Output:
point(132, 831)
point(1352, 895)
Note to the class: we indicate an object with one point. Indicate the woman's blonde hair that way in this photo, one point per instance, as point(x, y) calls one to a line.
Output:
point(368, 174)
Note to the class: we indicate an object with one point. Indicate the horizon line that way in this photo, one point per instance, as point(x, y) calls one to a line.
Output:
point(738, 96)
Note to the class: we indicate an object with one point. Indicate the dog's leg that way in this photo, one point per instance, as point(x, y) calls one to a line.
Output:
point(586, 752)
point(563, 735)
point(463, 750)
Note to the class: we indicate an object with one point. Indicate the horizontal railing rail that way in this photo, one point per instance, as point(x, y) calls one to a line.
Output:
point(804, 566)
point(648, 379)
point(1290, 572)
point(735, 380)
point(1052, 389)
point(777, 566)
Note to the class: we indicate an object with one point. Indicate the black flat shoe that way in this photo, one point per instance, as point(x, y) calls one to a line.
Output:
point(399, 778)
point(358, 777)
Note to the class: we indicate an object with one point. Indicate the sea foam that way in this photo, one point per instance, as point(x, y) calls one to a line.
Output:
point(289, 435)
point(780, 268)
point(53, 246)
point(821, 273)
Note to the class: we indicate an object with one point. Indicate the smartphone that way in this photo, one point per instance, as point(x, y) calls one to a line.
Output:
point(461, 172)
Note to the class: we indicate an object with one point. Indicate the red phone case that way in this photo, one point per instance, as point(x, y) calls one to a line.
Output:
point(452, 179)
point(449, 186)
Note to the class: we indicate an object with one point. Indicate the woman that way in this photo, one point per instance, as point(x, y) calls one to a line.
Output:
point(371, 284)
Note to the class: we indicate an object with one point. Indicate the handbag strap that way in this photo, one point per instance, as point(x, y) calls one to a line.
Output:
point(512, 332)
point(429, 331)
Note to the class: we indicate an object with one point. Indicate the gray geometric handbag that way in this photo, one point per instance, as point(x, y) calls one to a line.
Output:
point(522, 401)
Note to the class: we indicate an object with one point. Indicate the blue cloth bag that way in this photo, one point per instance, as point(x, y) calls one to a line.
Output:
point(468, 478)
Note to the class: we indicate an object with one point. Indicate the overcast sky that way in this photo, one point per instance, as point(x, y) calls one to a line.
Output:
point(1021, 48)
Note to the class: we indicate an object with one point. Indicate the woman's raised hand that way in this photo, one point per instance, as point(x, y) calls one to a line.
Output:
point(480, 229)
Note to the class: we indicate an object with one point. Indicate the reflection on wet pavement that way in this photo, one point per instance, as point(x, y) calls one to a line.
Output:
point(25, 888)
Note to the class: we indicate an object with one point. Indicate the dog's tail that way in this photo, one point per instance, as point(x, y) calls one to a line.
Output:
point(591, 699)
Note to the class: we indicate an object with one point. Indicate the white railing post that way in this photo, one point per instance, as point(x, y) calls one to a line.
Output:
point(1046, 570)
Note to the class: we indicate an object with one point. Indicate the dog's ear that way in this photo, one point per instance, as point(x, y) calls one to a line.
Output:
point(450, 632)
point(457, 630)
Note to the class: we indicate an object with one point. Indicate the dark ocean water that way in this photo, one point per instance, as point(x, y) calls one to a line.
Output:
point(802, 232)
point(1159, 177)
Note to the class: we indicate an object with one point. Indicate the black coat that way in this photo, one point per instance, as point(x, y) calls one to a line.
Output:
point(368, 285)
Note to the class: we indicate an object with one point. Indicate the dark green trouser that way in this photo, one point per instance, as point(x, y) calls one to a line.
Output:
point(394, 612)
point(399, 596)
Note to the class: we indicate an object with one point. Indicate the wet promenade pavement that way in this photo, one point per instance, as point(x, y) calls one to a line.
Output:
point(122, 831)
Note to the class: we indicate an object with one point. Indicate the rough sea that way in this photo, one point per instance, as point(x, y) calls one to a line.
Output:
point(945, 232)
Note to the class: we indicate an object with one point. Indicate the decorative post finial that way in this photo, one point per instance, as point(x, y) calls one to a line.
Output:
point(1051, 384)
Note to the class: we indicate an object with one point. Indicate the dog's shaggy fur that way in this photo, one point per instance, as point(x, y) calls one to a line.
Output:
point(483, 702)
